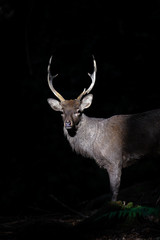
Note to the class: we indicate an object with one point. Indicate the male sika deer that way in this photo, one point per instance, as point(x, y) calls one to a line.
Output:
point(115, 142)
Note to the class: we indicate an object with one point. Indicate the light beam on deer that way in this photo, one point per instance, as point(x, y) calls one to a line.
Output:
point(115, 142)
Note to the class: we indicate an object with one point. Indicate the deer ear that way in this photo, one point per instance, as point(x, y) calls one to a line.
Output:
point(55, 105)
point(86, 102)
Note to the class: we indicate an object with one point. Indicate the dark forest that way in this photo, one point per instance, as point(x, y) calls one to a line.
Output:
point(47, 190)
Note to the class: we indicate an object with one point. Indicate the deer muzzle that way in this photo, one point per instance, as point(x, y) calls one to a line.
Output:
point(68, 124)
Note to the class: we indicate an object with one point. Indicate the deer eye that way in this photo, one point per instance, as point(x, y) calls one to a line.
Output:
point(77, 114)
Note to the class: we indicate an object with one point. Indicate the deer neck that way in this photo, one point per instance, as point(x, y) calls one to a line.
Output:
point(85, 134)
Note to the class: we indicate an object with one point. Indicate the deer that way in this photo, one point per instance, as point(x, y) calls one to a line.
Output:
point(115, 142)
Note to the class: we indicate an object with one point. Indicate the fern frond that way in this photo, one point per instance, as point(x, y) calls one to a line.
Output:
point(129, 211)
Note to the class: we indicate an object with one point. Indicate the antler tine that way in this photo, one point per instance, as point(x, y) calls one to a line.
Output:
point(93, 78)
point(50, 83)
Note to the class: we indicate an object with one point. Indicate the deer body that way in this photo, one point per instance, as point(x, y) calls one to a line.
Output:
point(115, 142)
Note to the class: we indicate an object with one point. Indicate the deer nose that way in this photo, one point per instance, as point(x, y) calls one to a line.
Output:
point(68, 124)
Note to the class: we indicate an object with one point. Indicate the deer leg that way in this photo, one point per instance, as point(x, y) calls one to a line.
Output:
point(115, 179)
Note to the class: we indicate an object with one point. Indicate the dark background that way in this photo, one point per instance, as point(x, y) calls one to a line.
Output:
point(36, 160)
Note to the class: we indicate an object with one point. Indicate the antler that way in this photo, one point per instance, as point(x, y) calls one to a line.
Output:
point(50, 79)
point(93, 78)
point(58, 95)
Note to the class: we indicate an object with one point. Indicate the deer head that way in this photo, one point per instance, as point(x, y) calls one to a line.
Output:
point(71, 109)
